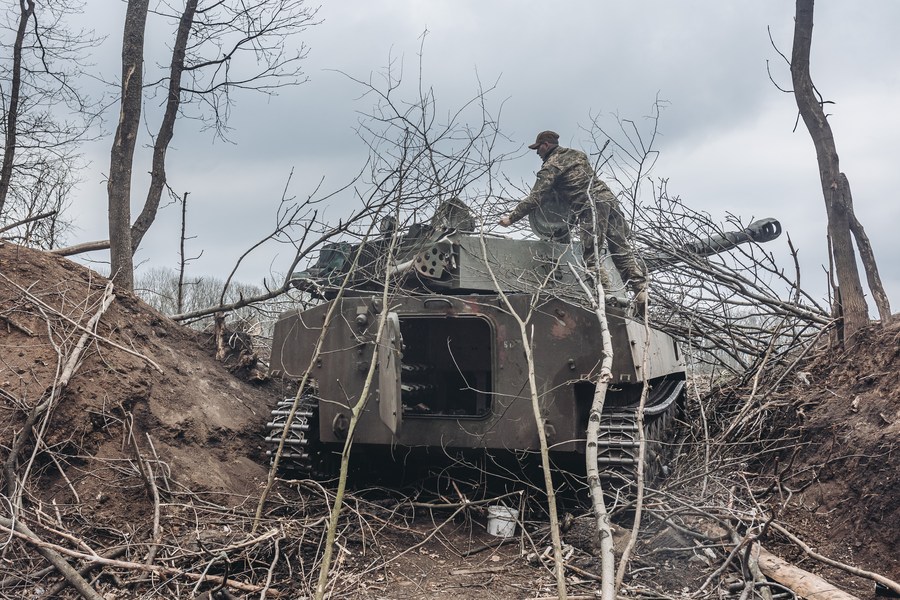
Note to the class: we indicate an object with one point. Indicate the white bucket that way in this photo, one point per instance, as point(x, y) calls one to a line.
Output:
point(502, 521)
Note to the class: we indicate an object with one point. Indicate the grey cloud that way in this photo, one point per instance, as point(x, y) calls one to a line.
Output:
point(557, 65)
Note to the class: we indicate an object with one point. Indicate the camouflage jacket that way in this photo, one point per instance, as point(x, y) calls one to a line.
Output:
point(568, 174)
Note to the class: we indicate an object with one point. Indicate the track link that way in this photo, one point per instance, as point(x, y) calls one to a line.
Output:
point(619, 442)
point(618, 449)
point(303, 454)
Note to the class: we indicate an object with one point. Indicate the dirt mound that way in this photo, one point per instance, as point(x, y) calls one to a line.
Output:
point(144, 387)
point(847, 470)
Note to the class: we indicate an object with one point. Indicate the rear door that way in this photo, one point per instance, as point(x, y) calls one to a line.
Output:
point(390, 406)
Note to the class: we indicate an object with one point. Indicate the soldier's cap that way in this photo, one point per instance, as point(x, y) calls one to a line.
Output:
point(545, 136)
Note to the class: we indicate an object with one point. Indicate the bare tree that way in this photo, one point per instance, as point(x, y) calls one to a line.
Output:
point(722, 307)
point(12, 114)
point(122, 155)
point(219, 47)
point(45, 116)
point(842, 222)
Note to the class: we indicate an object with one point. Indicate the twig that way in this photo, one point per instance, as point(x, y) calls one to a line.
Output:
point(80, 248)
point(271, 571)
point(83, 571)
point(483, 547)
point(223, 556)
point(494, 569)
point(146, 470)
point(28, 220)
point(18, 326)
point(58, 587)
point(22, 533)
point(79, 326)
point(753, 565)
point(384, 328)
point(52, 554)
point(728, 560)
point(301, 389)
point(800, 356)
point(14, 579)
point(583, 573)
point(248, 543)
point(62, 472)
point(743, 415)
point(539, 421)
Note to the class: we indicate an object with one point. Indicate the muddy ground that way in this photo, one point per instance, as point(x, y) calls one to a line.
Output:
point(154, 454)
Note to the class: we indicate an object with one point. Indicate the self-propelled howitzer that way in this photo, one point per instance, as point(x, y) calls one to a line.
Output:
point(451, 372)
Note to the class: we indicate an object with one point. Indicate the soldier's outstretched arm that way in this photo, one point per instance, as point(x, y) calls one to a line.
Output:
point(541, 189)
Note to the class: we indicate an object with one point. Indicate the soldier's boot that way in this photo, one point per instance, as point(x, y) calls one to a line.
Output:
point(591, 280)
point(641, 299)
point(641, 302)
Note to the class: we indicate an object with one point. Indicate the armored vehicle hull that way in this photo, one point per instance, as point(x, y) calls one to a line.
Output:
point(449, 372)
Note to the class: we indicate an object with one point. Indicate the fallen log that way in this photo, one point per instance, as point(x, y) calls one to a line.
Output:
point(81, 248)
point(880, 580)
point(803, 583)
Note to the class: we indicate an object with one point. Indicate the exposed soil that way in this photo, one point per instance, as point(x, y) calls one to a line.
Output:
point(149, 407)
point(847, 474)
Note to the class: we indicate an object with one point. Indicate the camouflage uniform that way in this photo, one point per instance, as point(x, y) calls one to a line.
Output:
point(568, 174)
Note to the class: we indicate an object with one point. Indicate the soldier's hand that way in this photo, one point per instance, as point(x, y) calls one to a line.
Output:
point(504, 221)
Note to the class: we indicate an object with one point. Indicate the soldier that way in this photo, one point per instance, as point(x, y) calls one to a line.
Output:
point(568, 174)
point(453, 214)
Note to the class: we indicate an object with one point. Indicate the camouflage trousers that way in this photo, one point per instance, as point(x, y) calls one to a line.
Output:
point(611, 228)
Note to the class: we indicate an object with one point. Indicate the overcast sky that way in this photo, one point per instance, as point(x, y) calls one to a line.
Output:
point(727, 143)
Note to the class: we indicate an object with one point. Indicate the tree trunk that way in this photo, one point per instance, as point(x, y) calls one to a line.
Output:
point(166, 128)
point(122, 154)
point(867, 255)
point(12, 113)
point(837, 205)
point(604, 538)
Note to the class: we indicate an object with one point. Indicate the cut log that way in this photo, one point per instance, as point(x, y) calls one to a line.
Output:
point(803, 583)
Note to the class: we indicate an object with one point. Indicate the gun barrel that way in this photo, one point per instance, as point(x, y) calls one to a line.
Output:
point(761, 231)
